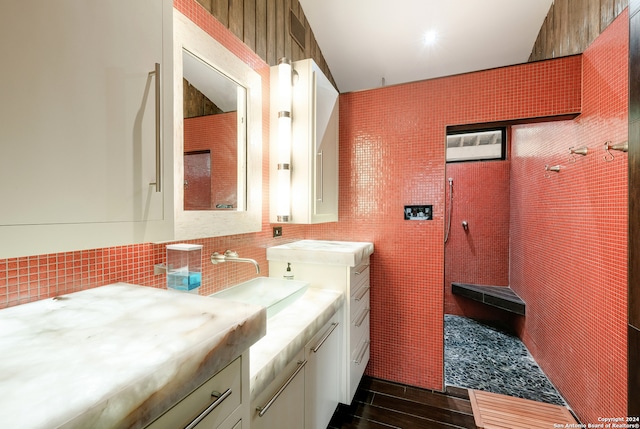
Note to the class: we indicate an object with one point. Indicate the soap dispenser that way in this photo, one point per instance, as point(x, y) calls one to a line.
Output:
point(288, 273)
point(184, 267)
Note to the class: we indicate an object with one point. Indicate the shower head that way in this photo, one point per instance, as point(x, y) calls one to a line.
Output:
point(450, 180)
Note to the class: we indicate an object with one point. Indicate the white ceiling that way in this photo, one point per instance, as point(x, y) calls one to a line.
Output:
point(364, 41)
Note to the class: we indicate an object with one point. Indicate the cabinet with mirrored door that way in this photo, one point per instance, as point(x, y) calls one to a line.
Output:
point(92, 124)
point(217, 137)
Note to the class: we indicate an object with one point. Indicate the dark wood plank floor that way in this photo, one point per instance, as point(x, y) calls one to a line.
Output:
point(382, 404)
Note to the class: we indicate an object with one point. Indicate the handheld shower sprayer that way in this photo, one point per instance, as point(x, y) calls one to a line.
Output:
point(446, 235)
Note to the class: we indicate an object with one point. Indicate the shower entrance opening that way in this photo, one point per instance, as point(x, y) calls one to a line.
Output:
point(481, 350)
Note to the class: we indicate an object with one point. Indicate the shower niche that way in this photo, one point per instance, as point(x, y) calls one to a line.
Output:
point(424, 212)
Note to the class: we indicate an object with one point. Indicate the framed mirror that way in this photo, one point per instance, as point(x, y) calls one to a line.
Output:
point(217, 137)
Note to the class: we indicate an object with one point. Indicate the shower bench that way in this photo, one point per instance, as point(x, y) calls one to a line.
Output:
point(502, 297)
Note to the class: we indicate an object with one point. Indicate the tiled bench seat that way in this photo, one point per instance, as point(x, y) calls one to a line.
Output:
point(502, 297)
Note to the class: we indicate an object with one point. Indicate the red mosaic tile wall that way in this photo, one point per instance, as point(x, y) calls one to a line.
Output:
point(479, 255)
point(392, 143)
point(569, 237)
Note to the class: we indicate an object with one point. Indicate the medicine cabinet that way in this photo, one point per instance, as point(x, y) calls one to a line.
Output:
point(235, 90)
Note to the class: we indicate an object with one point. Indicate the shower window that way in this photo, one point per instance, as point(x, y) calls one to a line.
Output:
point(476, 145)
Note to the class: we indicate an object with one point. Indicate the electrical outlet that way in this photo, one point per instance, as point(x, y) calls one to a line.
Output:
point(277, 231)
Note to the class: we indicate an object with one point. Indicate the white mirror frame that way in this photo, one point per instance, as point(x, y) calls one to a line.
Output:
point(192, 224)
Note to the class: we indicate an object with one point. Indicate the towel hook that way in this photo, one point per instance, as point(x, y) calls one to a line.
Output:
point(548, 168)
point(608, 147)
point(577, 151)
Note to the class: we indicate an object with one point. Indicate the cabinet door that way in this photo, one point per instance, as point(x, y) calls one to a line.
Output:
point(314, 156)
point(325, 132)
point(78, 121)
point(322, 375)
point(282, 402)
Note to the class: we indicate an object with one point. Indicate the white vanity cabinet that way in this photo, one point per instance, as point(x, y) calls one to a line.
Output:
point(343, 266)
point(322, 374)
point(219, 403)
point(314, 154)
point(281, 403)
point(354, 281)
point(83, 163)
point(306, 392)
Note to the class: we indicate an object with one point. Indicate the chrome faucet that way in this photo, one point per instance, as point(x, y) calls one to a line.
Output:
point(231, 256)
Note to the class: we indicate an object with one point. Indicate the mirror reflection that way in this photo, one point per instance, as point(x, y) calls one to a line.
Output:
point(214, 112)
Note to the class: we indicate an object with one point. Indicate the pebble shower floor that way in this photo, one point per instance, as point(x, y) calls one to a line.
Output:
point(478, 356)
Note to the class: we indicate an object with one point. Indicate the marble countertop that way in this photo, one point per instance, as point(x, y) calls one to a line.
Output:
point(115, 356)
point(288, 332)
point(349, 253)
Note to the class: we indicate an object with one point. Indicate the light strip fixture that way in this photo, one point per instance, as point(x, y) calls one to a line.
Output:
point(283, 205)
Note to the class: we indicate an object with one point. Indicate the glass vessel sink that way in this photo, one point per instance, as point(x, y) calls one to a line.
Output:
point(273, 293)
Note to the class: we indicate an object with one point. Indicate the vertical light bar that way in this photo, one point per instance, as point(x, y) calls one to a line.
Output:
point(283, 206)
point(284, 85)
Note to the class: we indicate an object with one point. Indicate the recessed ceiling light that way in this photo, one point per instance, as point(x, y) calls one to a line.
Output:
point(430, 37)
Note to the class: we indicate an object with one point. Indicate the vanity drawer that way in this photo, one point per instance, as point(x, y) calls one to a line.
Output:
point(359, 327)
point(359, 275)
point(223, 390)
point(358, 301)
point(359, 357)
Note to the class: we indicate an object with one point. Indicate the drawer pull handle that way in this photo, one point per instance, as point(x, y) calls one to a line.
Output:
point(361, 293)
point(363, 351)
point(213, 406)
point(362, 270)
point(361, 318)
point(333, 326)
point(263, 410)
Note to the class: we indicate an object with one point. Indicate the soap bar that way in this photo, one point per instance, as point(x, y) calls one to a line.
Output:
point(184, 281)
point(194, 280)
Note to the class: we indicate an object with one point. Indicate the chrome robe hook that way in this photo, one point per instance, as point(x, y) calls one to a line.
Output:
point(608, 147)
point(577, 151)
point(548, 168)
